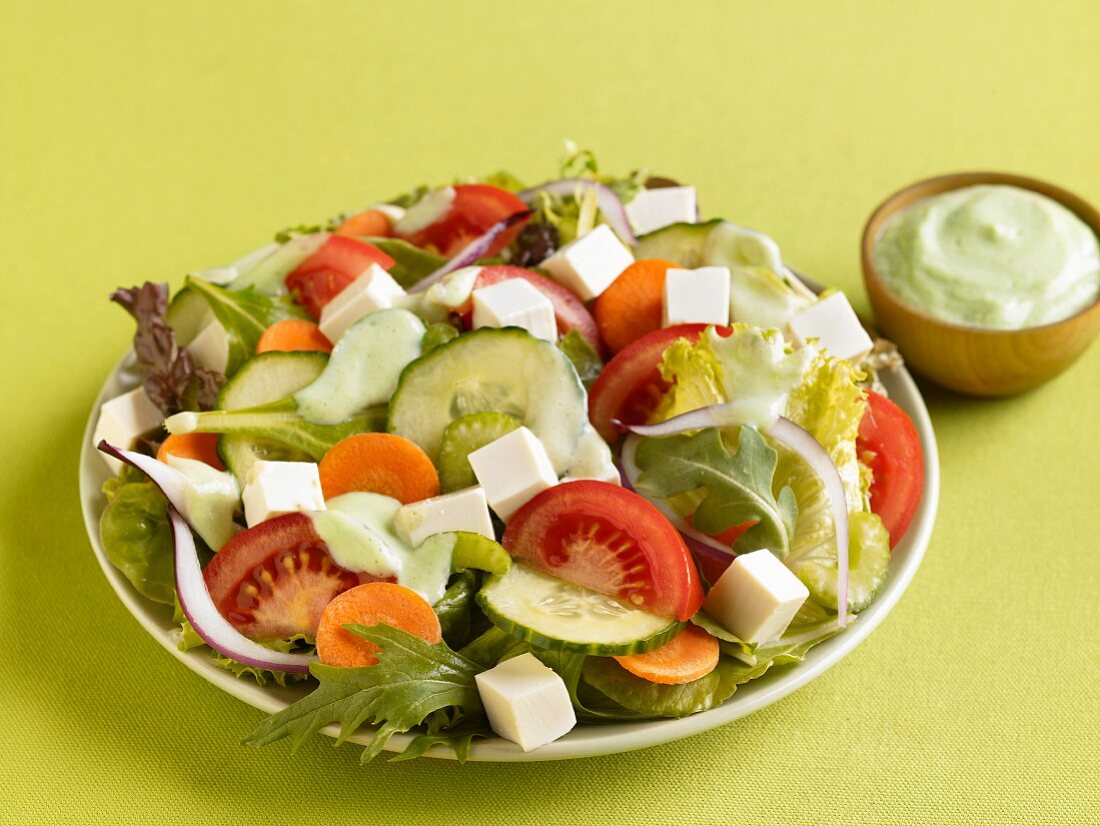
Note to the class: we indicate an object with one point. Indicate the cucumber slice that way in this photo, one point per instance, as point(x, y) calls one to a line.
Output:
point(188, 313)
point(507, 371)
point(715, 242)
point(266, 378)
point(461, 438)
point(556, 615)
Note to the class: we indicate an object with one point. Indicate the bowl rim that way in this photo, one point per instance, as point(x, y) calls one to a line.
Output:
point(949, 182)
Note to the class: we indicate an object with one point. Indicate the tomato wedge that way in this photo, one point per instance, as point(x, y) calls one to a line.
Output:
point(475, 209)
point(339, 261)
point(274, 580)
point(608, 539)
point(630, 386)
point(569, 311)
point(889, 444)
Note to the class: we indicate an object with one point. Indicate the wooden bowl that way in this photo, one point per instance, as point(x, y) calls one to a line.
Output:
point(975, 360)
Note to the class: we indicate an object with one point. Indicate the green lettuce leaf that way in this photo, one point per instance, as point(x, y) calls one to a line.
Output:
point(752, 366)
point(738, 485)
point(410, 263)
point(584, 359)
point(137, 537)
point(411, 680)
point(244, 314)
point(456, 605)
point(279, 422)
point(760, 297)
point(654, 700)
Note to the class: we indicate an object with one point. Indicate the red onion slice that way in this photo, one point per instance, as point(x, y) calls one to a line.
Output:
point(729, 414)
point(787, 433)
point(609, 203)
point(172, 484)
point(170, 481)
point(470, 253)
point(208, 622)
point(810, 449)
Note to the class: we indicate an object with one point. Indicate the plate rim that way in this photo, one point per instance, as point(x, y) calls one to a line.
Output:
point(584, 741)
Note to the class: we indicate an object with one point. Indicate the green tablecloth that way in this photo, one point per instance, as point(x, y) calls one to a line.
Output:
point(139, 140)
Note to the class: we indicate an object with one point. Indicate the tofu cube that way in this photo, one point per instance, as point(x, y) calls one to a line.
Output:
point(122, 420)
point(463, 510)
point(652, 209)
point(426, 211)
point(756, 598)
point(374, 290)
point(515, 303)
point(589, 264)
point(699, 296)
point(526, 702)
point(512, 470)
point(836, 327)
point(274, 488)
point(210, 348)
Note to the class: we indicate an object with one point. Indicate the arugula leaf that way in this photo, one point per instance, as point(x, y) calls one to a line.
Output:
point(411, 680)
point(584, 359)
point(284, 235)
point(738, 486)
point(171, 379)
point(244, 314)
point(137, 538)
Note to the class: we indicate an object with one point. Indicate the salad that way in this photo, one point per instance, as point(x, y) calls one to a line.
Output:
point(486, 459)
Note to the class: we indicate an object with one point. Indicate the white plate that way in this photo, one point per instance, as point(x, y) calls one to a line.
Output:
point(583, 741)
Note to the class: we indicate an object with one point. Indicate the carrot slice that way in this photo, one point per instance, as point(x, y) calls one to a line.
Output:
point(292, 334)
point(374, 603)
point(370, 223)
point(691, 654)
point(379, 463)
point(200, 446)
point(631, 307)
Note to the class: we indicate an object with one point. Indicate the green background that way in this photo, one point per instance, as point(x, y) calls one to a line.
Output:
point(139, 140)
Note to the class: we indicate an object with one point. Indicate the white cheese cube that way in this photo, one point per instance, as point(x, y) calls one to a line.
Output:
point(391, 211)
point(515, 303)
point(463, 510)
point(836, 327)
point(210, 348)
point(652, 209)
point(699, 296)
point(374, 290)
point(512, 470)
point(274, 488)
point(425, 212)
point(526, 702)
point(589, 264)
point(756, 598)
point(122, 420)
